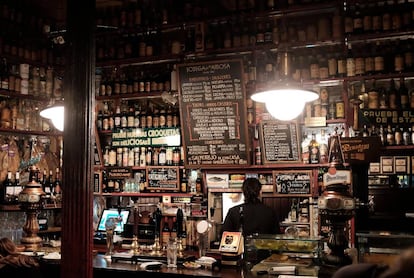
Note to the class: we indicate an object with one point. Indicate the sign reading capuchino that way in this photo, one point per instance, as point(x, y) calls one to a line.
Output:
point(138, 137)
point(213, 111)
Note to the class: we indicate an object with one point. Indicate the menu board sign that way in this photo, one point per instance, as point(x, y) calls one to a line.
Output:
point(212, 106)
point(280, 141)
point(293, 182)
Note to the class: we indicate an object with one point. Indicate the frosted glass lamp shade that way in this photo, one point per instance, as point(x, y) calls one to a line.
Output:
point(56, 114)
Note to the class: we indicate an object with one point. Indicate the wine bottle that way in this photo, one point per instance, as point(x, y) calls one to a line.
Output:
point(313, 150)
point(57, 186)
point(403, 95)
point(8, 189)
point(393, 96)
point(45, 185)
point(17, 186)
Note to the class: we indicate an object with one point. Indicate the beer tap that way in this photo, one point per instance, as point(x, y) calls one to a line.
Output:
point(157, 216)
point(180, 219)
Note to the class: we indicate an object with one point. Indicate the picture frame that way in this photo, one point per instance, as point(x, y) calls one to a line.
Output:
point(387, 164)
point(401, 164)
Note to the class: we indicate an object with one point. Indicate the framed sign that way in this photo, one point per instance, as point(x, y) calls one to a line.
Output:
point(401, 164)
point(97, 182)
point(213, 113)
point(280, 142)
point(387, 164)
point(293, 182)
point(163, 178)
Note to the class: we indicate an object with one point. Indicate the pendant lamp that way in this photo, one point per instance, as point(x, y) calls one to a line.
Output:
point(55, 112)
point(285, 98)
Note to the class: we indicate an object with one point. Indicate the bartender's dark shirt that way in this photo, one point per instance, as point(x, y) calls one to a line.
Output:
point(257, 218)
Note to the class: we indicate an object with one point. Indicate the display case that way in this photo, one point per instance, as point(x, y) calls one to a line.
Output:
point(274, 253)
point(382, 247)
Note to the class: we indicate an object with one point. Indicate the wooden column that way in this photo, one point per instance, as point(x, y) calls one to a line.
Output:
point(77, 173)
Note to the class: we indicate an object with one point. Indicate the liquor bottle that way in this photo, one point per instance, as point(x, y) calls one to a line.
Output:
point(390, 136)
point(323, 147)
point(386, 18)
point(357, 20)
point(406, 136)
point(294, 211)
point(169, 156)
point(305, 148)
point(383, 135)
point(314, 150)
point(176, 156)
point(373, 96)
point(142, 157)
point(411, 94)
point(367, 18)
point(45, 185)
point(8, 189)
point(162, 156)
point(403, 95)
point(393, 96)
point(184, 183)
point(350, 62)
point(385, 97)
point(363, 96)
point(17, 186)
point(57, 186)
point(398, 136)
point(104, 182)
point(365, 132)
point(155, 157)
point(148, 156)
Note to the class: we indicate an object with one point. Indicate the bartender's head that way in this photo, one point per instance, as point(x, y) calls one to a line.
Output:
point(251, 190)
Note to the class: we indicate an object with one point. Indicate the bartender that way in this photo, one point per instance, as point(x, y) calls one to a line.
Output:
point(252, 216)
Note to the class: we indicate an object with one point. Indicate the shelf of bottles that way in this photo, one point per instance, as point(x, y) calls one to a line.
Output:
point(30, 69)
point(12, 186)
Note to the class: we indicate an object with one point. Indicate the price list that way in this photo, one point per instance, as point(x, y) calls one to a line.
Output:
point(212, 106)
point(280, 142)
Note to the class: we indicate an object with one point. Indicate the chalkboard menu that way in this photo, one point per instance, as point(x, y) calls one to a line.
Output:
point(292, 182)
point(212, 107)
point(163, 178)
point(280, 141)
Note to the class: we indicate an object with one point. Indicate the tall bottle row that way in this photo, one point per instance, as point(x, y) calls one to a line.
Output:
point(24, 34)
point(50, 182)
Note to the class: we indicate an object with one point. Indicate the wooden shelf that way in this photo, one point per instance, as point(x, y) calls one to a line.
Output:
point(16, 207)
point(30, 132)
point(145, 194)
point(51, 230)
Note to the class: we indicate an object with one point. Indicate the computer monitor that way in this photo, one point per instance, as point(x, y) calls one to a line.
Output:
point(108, 213)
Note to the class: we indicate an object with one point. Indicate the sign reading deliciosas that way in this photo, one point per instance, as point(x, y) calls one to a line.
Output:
point(212, 106)
point(146, 137)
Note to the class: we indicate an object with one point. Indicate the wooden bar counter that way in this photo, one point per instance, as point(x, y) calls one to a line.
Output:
point(103, 267)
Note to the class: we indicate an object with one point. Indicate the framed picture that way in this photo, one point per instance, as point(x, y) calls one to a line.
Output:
point(401, 164)
point(374, 168)
point(387, 164)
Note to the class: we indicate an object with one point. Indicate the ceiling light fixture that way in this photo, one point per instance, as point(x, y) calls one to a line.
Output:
point(285, 99)
point(55, 112)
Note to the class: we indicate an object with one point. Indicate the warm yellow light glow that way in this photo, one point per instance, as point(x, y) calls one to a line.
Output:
point(285, 104)
point(55, 114)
